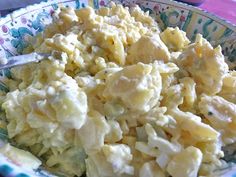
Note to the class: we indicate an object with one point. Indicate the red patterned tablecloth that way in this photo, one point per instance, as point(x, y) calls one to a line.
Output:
point(223, 8)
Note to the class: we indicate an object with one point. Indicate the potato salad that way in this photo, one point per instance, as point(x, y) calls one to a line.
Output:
point(118, 97)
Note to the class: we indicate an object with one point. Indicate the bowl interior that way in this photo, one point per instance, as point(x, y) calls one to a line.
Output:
point(16, 28)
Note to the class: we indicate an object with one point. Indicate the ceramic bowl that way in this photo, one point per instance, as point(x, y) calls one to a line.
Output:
point(192, 2)
point(18, 26)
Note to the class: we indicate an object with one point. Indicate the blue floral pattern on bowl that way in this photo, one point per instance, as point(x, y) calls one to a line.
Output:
point(39, 23)
point(15, 29)
point(19, 38)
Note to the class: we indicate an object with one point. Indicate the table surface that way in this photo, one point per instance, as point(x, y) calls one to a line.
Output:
point(223, 8)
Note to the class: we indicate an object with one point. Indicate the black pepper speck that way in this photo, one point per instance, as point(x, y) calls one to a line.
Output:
point(210, 113)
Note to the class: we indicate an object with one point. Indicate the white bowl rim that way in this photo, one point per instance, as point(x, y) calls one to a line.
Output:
point(182, 5)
